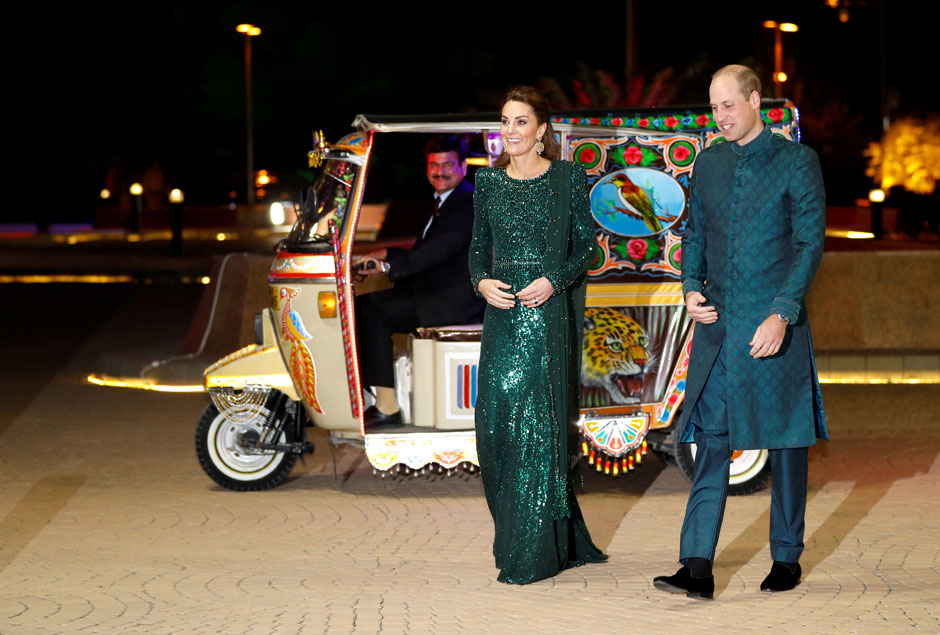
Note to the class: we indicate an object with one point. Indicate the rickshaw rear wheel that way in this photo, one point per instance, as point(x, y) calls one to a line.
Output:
point(750, 469)
point(225, 453)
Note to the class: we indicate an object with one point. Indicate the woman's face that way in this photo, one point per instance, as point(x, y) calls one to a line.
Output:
point(519, 128)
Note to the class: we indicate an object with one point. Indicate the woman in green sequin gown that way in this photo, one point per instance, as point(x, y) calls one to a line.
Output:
point(539, 527)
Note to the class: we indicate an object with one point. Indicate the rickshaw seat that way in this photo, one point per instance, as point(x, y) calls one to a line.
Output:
point(454, 333)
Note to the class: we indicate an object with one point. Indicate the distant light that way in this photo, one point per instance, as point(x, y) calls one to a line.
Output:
point(780, 77)
point(277, 213)
point(261, 192)
point(248, 29)
point(105, 193)
point(139, 383)
point(877, 196)
point(232, 194)
point(770, 24)
point(789, 27)
point(133, 238)
point(60, 278)
point(71, 240)
point(480, 161)
point(176, 195)
point(853, 235)
point(205, 280)
point(220, 237)
point(136, 189)
point(832, 3)
point(843, 15)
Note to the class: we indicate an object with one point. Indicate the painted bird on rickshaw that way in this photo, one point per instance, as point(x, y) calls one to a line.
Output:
point(639, 204)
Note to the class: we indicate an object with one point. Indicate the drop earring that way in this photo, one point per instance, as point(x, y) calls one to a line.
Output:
point(539, 146)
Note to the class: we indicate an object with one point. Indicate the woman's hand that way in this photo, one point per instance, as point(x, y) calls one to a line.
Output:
point(491, 291)
point(536, 293)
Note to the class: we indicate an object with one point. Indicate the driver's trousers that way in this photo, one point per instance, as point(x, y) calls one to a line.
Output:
point(706, 506)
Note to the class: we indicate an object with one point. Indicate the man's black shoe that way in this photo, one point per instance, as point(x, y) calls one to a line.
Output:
point(683, 582)
point(374, 418)
point(782, 577)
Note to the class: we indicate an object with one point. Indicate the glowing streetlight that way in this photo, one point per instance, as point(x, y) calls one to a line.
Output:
point(105, 194)
point(779, 29)
point(176, 195)
point(136, 189)
point(250, 31)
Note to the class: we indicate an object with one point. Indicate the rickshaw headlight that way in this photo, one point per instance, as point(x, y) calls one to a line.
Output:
point(326, 302)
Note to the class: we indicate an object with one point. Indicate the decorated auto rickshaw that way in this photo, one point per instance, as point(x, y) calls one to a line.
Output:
point(303, 369)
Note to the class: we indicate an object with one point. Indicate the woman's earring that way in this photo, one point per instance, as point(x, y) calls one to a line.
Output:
point(539, 146)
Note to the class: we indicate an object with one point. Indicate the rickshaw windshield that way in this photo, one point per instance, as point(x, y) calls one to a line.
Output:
point(327, 199)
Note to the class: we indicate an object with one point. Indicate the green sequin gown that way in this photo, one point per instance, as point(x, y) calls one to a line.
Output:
point(539, 529)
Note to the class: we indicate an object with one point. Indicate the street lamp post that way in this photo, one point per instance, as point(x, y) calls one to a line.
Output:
point(779, 29)
point(250, 31)
point(176, 221)
point(137, 191)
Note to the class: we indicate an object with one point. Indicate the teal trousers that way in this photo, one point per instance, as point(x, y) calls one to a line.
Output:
point(706, 506)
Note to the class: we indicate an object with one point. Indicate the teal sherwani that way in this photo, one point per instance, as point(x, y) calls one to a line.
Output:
point(752, 245)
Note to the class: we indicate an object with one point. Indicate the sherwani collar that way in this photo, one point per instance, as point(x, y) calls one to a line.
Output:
point(757, 144)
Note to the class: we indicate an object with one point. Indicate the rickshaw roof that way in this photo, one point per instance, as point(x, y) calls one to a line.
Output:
point(668, 119)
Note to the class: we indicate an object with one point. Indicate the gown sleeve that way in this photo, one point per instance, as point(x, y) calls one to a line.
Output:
point(481, 245)
point(583, 239)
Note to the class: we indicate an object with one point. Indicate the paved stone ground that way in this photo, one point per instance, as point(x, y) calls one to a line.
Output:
point(108, 525)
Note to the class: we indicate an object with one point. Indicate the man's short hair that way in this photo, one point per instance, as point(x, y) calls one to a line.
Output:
point(447, 143)
point(745, 77)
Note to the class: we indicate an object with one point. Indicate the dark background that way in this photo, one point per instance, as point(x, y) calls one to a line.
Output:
point(99, 87)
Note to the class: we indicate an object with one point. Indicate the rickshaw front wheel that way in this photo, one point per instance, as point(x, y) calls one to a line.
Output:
point(226, 453)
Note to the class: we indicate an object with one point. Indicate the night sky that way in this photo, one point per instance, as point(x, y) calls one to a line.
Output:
point(120, 88)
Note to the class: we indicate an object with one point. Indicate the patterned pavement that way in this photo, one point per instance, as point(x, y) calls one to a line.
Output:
point(108, 525)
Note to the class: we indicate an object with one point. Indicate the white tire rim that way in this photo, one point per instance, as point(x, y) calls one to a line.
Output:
point(233, 460)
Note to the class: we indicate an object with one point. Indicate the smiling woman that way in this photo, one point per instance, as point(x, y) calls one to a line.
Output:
point(533, 238)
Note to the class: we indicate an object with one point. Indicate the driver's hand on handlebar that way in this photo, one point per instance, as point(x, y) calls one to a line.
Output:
point(491, 290)
point(368, 266)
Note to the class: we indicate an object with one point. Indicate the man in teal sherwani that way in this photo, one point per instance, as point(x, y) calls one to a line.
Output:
point(752, 245)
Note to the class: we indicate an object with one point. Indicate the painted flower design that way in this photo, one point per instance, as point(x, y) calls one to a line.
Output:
point(643, 123)
point(671, 122)
point(680, 153)
point(702, 120)
point(677, 256)
point(637, 248)
point(632, 155)
point(617, 121)
point(775, 114)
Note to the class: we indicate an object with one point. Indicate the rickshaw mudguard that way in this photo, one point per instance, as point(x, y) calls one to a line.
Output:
point(253, 365)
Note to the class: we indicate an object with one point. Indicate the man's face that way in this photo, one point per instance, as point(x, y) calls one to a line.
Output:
point(737, 115)
point(445, 171)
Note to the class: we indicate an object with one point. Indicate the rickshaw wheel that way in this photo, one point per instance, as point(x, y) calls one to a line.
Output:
point(223, 454)
point(750, 469)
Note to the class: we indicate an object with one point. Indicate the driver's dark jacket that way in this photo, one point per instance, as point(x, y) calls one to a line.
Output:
point(435, 271)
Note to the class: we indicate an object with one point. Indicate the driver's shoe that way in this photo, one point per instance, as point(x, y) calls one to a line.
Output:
point(375, 418)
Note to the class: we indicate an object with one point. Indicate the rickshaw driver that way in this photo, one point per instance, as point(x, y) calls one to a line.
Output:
point(432, 279)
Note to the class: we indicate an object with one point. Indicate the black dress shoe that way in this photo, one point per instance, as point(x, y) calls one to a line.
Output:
point(781, 577)
point(683, 582)
point(374, 418)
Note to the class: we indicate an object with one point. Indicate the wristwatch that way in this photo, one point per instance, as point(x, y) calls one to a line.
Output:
point(782, 318)
point(384, 267)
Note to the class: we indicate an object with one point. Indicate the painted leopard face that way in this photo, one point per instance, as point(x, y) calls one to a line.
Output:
point(613, 354)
